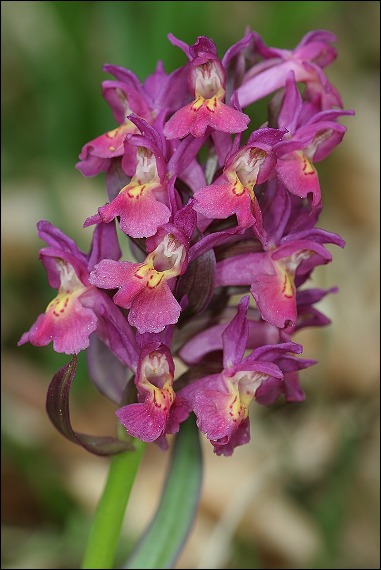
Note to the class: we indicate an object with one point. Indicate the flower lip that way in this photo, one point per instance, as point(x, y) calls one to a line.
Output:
point(169, 255)
point(208, 80)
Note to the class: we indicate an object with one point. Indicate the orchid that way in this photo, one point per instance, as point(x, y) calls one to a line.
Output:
point(306, 142)
point(206, 78)
point(207, 214)
point(79, 309)
point(124, 98)
point(233, 192)
point(159, 409)
point(221, 401)
point(142, 204)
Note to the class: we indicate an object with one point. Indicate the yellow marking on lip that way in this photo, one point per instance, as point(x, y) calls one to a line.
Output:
point(287, 282)
point(59, 304)
point(307, 167)
point(237, 187)
point(135, 191)
point(211, 104)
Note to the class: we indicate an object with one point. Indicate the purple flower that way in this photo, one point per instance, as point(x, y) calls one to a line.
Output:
point(233, 191)
point(206, 217)
point(274, 275)
point(158, 411)
point(146, 288)
point(79, 309)
point(307, 60)
point(221, 401)
point(305, 143)
point(124, 97)
point(142, 204)
point(206, 80)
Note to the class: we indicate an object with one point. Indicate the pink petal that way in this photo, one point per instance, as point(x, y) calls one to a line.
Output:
point(92, 165)
point(227, 119)
point(299, 176)
point(273, 300)
point(180, 124)
point(153, 309)
point(220, 201)
point(108, 145)
point(143, 421)
point(211, 409)
point(240, 436)
point(69, 329)
point(110, 274)
point(140, 216)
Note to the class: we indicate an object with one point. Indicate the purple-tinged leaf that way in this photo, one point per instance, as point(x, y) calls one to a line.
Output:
point(57, 407)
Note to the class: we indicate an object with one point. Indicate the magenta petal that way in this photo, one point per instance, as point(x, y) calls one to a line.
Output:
point(153, 309)
point(110, 274)
point(228, 120)
point(299, 176)
point(108, 145)
point(240, 436)
point(69, 331)
point(206, 341)
point(271, 79)
point(195, 121)
point(180, 124)
point(178, 413)
point(276, 307)
point(210, 407)
point(235, 335)
point(269, 391)
point(242, 269)
point(138, 217)
point(126, 294)
point(143, 421)
point(92, 165)
point(92, 220)
point(56, 239)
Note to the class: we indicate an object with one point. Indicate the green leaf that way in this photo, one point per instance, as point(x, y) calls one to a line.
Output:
point(162, 542)
point(57, 407)
point(109, 516)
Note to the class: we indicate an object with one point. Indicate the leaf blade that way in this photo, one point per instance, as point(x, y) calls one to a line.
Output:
point(57, 407)
point(162, 542)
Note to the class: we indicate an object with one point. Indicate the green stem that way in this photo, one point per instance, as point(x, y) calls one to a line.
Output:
point(104, 535)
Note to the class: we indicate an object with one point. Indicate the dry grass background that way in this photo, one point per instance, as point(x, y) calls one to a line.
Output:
point(305, 492)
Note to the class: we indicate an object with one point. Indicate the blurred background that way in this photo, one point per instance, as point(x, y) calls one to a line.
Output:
point(305, 492)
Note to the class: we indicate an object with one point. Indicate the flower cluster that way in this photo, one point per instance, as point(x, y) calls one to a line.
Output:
point(215, 207)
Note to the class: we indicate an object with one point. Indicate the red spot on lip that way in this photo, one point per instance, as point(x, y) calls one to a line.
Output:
point(306, 166)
